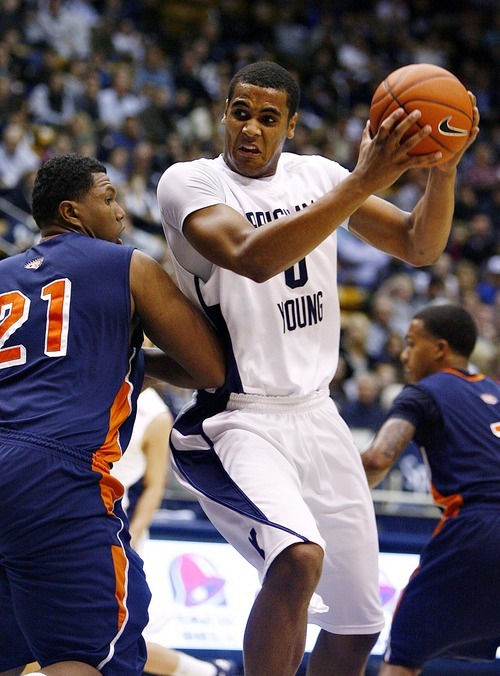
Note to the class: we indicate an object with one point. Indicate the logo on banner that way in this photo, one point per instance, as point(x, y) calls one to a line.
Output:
point(386, 589)
point(195, 581)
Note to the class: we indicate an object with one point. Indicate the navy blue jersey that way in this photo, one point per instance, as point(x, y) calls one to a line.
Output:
point(65, 306)
point(450, 605)
point(457, 420)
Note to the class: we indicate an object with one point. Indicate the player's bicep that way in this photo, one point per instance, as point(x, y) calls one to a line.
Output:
point(174, 324)
point(218, 233)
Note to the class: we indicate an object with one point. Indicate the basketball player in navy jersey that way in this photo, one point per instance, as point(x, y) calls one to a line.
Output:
point(73, 596)
point(450, 607)
point(273, 465)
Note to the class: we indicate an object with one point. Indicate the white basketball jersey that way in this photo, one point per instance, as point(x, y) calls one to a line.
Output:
point(284, 333)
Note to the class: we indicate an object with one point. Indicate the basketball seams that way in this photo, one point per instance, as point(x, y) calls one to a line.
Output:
point(423, 80)
point(406, 88)
point(390, 88)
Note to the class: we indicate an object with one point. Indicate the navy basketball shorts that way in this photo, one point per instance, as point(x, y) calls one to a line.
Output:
point(71, 587)
point(450, 607)
point(271, 472)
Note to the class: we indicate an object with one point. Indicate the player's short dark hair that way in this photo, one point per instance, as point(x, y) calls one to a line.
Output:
point(269, 75)
point(453, 323)
point(64, 177)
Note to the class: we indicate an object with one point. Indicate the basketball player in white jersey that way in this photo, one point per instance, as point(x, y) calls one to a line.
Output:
point(253, 238)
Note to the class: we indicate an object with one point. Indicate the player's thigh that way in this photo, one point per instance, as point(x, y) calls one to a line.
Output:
point(458, 571)
point(337, 493)
point(83, 598)
point(14, 649)
point(259, 506)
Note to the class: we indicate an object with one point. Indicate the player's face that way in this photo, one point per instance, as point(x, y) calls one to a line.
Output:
point(422, 353)
point(257, 125)
point(100, 214)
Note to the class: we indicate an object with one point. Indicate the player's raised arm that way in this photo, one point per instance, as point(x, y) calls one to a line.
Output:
point(193, 355)
point(419, 237)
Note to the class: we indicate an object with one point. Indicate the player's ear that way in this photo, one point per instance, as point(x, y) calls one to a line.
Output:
point(224, 116)
point(67, 211)
point(291, 126)
point(442, 347)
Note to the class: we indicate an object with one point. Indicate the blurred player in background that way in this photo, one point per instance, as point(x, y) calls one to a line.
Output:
point(73, 595)
point(272, 463)
point(450, 607)
point(144, 471)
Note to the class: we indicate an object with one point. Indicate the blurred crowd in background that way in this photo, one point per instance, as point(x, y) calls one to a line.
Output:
point(141, 84)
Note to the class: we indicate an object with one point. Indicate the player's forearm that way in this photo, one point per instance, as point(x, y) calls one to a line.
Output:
point(144, 512)
point(388, 444)
point(268, 251)
point(432, 218)
point(159, 366)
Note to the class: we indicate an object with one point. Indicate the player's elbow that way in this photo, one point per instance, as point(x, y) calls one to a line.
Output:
point(375, 464)
point(213, 378)
point(425, 258)
point(257, 271)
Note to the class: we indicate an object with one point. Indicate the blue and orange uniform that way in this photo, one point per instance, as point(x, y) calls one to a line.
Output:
point(454, 592)
point(71, 369)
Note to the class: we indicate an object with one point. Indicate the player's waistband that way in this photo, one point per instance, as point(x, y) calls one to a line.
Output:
point(85, 457)
point(258, 402)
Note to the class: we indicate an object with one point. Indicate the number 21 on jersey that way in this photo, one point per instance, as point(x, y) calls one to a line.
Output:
point(15, 310)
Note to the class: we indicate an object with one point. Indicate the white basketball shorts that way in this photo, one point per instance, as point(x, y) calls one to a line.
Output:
point(273, 471)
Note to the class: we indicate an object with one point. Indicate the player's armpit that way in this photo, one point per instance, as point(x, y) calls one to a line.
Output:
point(194, 356)
point(389, 442)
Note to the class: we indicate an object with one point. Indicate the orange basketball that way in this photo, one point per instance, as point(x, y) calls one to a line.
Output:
point(441, 98)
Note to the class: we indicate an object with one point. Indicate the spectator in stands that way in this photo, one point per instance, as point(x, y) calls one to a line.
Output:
point(380, 314)
point(119, 101)
point(444, 269)
point(128, 41)
point(11, 98)
point(155, 70)
point(489, 287)
point(16, 156)
point(482, 241)
point(88, 100)
point(118, 165)
point(467, 278)
point(483, 173)
point(62, 26)
point(51, 103)
point(337, 386)
point(354, 345)
point(156, 119)
point(364, 413)
point(359, 263)
point(401, 289)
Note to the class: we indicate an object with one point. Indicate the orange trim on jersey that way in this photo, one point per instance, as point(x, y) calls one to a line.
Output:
point(121, 408)
point(451, 503)
point(110, 451)
point(474, 378)
point(120, 564)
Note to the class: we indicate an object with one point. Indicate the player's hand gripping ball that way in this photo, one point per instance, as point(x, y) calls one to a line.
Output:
point(441, 98)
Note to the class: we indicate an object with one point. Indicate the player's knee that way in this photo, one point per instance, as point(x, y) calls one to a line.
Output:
point(299, 565)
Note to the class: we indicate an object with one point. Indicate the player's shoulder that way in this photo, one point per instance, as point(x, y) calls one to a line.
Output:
point(95, 246)
point(292, 162)
point(181, 170)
